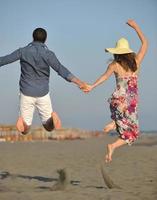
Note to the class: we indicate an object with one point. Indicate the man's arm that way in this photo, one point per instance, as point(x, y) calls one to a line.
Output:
point(78, 82)
point(4, 60)
point(62, 71)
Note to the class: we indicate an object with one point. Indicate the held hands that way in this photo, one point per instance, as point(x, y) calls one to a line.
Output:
point(86, 87)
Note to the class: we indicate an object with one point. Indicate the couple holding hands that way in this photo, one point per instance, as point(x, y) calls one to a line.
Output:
point(36, 60)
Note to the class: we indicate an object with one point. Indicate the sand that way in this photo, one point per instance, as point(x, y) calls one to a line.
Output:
point(28, 170)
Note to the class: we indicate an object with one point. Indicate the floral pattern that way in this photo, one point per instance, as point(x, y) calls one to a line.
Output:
point(123, 106)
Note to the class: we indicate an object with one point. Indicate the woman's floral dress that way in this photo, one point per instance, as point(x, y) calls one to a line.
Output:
point(123, 106)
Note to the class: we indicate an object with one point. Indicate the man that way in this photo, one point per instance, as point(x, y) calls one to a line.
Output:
point(36, 60)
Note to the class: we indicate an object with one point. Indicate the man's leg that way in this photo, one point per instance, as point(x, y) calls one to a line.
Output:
point(27, 105)
point(50, 119)
point(53, 122)
point(22, 126)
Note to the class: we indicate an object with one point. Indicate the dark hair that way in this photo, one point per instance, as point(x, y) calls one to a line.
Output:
point(40, 35)
point(127, 61)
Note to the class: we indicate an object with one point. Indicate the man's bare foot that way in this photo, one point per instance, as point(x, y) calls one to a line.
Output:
point(109, 127)
point(110, 149)
point(56, 120)
point(22, 126)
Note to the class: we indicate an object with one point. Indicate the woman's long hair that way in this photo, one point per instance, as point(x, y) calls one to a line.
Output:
point(127, 61)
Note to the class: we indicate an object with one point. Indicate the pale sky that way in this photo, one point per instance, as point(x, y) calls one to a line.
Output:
point(78, 32)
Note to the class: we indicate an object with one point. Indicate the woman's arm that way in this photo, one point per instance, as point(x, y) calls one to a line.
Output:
point(101, 79)
point(142, 51)
point(104, 76)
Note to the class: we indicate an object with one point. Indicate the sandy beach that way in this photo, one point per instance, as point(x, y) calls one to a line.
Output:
point(28, 170)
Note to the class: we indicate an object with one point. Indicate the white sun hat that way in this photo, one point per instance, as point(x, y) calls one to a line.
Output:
point(122, 47)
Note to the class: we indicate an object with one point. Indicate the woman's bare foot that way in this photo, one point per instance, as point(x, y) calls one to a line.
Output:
point(56, 120)
point(110, 149)
point(109, 127)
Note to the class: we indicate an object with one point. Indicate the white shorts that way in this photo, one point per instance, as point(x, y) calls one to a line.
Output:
point(28, 105)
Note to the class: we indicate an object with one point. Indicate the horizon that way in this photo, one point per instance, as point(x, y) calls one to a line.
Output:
point(70, 128)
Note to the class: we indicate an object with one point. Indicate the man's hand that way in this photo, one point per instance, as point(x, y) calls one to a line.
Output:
point(86, 87)
point(82, 85)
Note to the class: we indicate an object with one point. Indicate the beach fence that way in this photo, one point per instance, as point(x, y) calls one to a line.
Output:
point(9, 133)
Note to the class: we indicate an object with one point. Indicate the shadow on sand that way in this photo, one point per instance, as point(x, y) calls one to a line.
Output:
point(60, 183)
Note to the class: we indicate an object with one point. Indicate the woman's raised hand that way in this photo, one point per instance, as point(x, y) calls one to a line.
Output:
point(132, 23)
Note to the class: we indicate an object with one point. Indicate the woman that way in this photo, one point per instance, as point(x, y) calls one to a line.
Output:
point(124, 100)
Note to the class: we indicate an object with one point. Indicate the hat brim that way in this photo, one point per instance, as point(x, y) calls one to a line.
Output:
point(119, 50)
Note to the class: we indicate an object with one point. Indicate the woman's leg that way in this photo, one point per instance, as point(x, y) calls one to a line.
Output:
point(112, 147)
point(110, 126)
